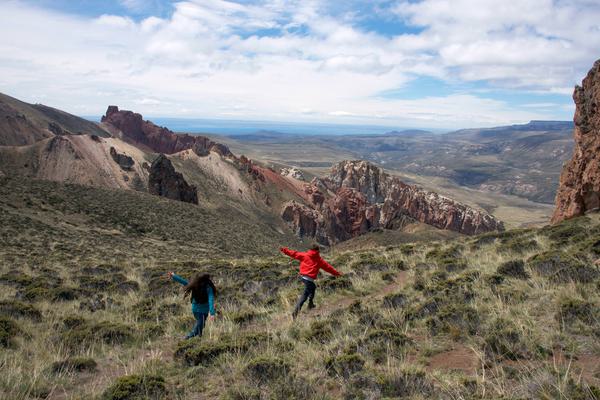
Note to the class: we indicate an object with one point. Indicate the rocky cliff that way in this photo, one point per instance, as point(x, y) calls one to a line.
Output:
point(579, 189)
point(165, 181)
point(134, 128)
point(358, 196)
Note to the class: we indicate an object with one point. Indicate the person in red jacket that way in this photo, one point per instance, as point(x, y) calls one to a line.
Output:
point(310, 264)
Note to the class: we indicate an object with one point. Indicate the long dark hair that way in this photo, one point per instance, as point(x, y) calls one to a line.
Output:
point(198, 288)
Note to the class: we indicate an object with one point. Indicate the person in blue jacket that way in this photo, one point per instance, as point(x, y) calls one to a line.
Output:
point(202, 293)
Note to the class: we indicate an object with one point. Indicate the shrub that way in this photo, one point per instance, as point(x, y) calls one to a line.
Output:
point(571, 310)
point(562, 268)
point(395, 300)
point(199, 352)
point(503, 341)
point(320, 331)
point(406, 383)
point(513, 269)
point(19, 309)
point(455, 319)
point(85, 333)
point(137, 387)
point(264, 369)
point(344, 365)
point(8, 331)
point(75, 364)
point(333, 284)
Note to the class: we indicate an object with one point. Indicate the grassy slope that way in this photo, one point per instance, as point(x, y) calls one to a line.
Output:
point(447, 319)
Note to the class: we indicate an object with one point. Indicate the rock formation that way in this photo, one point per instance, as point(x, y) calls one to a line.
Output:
point(579, 189)
point(158, 139)
point(165, 181)
point(124, 161)
point(358, 196)
point(292, 173)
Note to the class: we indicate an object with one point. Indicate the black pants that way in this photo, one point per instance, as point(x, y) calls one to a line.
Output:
point(308, 294)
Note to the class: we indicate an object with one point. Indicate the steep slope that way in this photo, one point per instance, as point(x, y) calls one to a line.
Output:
point(579, 189)
point(82, 159)
point(24, 124)
point(357, 197)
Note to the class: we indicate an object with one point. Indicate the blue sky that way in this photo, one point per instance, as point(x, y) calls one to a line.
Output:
point(441, 64)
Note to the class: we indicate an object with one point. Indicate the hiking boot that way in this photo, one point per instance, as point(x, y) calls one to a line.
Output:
point(311, 306)
point(294, 314)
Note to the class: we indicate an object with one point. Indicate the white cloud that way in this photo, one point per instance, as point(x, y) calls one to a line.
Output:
point(207, 57)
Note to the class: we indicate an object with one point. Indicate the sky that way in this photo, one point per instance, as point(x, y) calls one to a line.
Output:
point(444, 64)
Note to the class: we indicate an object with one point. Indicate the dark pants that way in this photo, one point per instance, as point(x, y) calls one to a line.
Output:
point(308, 294)
point(199, 326)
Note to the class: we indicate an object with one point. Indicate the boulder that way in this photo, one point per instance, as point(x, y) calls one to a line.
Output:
point(124, 161)
point(165, 181)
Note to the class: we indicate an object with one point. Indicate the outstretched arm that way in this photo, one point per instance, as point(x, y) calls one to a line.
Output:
point(327, 267)
point(291, 253)
point(177, 278)
point(211, 301)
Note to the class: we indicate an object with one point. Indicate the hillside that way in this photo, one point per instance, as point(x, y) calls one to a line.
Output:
point(87, 312)
point(23, 123)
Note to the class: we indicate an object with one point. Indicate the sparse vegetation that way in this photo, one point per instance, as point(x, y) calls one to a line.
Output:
point(482, 317)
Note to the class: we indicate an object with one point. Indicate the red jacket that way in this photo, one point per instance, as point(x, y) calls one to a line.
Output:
point(310, 262)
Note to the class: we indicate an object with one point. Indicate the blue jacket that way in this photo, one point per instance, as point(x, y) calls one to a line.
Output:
point(203, 308)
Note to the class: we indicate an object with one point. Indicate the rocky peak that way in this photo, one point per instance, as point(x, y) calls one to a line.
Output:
point(157, 138)
point(165, 181)
point(579, 188)
point(358, 196)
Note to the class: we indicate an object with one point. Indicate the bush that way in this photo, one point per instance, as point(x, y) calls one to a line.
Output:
point(17, 309)
point(562, 268)
point(84, 333)
point(264, 369)
point(334, 284)
point(137, 387)
point(395, 300)
point(199, 352)
point(320, 331)
point(406, 383)
point(344, 365)
point(513, 269)
point(571, 310)
point(8, 331)
point(455, 319)
point(75, 364)
point(503, 341)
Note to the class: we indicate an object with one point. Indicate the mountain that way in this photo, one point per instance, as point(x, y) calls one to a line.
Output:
point(135, 154)
point(357, 197)
point(579, 190)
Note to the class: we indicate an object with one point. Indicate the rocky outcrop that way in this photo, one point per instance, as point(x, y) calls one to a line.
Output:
point(165, 181)
point(292, 173)
point(124, 161)
point(158, 139)
point(579, 189)
point(358, 196)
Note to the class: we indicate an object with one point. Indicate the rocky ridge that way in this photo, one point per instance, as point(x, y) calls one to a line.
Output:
point(579, 189)
point(358, 196)
point(133, 127)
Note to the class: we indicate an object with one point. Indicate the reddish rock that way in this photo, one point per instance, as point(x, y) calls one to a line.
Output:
point(358, 196)
point(165, 181)
point(305, 221)
point(579, 189)
point(157, 138)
